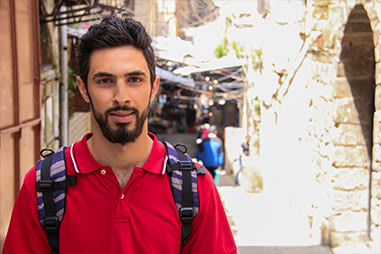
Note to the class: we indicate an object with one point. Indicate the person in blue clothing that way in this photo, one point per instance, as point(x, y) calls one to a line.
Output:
point(211, 152)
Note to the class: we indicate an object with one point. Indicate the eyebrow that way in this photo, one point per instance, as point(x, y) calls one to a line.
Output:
point(106, 74)
point(135, 73)
point(102, 74)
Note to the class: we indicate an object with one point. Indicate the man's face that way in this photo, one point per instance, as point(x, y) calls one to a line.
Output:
point(119, 92)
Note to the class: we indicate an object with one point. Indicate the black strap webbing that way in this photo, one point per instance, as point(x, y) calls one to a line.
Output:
point(186, 211)
point(51, 223)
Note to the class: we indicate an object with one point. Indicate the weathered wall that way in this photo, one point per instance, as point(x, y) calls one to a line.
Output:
point(19, 100)
point(320, 116)
point(354, 103)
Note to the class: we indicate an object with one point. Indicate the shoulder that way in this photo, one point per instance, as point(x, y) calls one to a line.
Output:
point(28, 190)
point(206, 186)
point(216, 139)
point(206, 140)
point(30, 179)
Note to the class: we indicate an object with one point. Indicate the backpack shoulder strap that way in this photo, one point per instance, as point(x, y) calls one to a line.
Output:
point(183, 174)
point(51, 184)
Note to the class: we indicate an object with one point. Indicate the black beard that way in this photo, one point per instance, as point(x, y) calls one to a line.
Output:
point(121, 134)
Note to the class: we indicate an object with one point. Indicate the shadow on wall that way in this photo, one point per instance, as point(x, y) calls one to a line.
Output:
point(359, 64)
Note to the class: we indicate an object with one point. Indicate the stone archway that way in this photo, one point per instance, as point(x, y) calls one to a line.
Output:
point(354, 97)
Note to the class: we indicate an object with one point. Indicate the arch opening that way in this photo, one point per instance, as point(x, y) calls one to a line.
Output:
point(358, 59)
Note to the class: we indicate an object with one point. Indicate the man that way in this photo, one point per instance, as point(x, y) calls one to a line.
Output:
point(122, 202)
point(210, 151)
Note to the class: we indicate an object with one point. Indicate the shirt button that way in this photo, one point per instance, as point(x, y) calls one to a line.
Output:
point(122, 197)
point(103, 171)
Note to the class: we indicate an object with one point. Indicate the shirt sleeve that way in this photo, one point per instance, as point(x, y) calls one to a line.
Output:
point(25, 233)
point(211, 232)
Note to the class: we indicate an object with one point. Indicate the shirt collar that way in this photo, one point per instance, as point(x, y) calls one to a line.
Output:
point(84, 161)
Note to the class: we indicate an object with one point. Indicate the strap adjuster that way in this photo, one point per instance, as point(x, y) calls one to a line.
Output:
point(45, 185)
point(51, 224)
point(186, 165)
point(186, 214)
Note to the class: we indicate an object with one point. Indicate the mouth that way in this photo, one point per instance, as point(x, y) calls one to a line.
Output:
point(122, 116)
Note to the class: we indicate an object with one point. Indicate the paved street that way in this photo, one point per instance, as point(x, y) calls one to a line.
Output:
point(253, 219)
point(254, 229)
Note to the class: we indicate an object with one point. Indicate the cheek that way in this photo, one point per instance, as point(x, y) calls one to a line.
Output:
point(99, 100)
point(141, 97)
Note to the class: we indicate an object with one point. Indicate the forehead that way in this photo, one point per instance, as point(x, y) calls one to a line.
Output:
point(118, 60)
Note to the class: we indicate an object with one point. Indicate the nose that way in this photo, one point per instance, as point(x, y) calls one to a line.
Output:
point(121, 94)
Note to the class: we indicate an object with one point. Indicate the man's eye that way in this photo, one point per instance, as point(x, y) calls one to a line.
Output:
point(134, 79)
point(105, 81)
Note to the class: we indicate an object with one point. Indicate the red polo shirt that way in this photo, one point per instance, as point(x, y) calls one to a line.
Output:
point(101, 217)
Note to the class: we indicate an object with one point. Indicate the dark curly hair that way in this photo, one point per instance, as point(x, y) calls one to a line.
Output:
point(114, 31)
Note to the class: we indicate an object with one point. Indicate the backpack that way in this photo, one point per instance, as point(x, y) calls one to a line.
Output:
point(52, 182)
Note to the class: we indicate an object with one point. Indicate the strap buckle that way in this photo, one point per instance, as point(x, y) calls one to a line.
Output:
point(186, 165)
point(51, 224)
point(186, 214)
point(45, 185)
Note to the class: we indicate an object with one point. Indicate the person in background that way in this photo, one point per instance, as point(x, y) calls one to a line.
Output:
point(210, 151)
point(204, 130)
point(245, 150)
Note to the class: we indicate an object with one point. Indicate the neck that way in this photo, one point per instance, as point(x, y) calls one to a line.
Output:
point(118, 156)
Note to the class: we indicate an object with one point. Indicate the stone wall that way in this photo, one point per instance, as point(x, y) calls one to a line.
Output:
point(321, 116)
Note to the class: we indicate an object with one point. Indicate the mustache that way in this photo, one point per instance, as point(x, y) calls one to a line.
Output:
point(120, 108)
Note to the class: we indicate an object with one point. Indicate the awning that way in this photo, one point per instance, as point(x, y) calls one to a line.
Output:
point(169, 76)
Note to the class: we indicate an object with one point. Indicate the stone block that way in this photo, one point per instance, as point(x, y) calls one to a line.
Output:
point(376, 185)
point(377, 127)
point(377, 152)
point(377, 35)
point(350, 178)
point(350, 156)
point(352, 110)
point(376, 166)
point(376, 212)
point(348, 134)
point(377, 97)
point(376, 175)
point(375, 235)
point(349, 239)
point(341, 88)
point(377, 53)
point(349, 221)
point(378, 70)
point(356, 200)
point(345, 111)
point(340, 70)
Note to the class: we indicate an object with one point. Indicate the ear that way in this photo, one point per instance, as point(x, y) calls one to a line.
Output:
point(155, 88)
point(82, 89)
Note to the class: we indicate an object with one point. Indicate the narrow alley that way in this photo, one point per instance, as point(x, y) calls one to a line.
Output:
point(291, 90)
